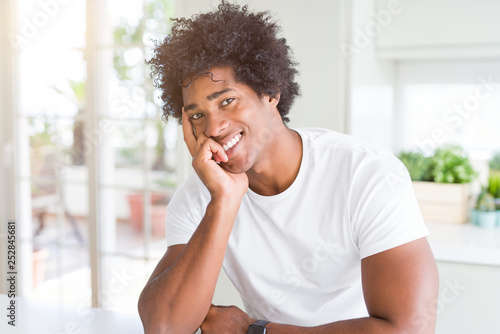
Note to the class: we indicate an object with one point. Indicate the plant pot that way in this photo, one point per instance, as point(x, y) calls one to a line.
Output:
point(443, 202)
point(498, 218)
point(158, 212)
point(497, 203)
point(484, 218)
point(39, 258)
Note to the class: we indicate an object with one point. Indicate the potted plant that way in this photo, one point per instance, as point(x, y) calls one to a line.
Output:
point(494, 189)
point(441, 183)
point(484, 215)
point(494, 179)
point(494, 165)
point(158, 211)
point(39, 258)
point(418, 165)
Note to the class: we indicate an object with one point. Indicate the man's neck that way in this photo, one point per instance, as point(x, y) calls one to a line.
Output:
point(278, 170)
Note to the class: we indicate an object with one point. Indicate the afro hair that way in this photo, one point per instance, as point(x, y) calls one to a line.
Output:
point(229, 37)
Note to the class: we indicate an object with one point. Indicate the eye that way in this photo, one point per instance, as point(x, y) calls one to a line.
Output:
point(226, 102)
point(196, 116)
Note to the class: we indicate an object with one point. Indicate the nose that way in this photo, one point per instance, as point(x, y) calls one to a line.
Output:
point(215, 125)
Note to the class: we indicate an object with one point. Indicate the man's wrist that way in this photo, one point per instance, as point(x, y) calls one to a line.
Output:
point(258, 327)
point(225, 200)
point(248, 323)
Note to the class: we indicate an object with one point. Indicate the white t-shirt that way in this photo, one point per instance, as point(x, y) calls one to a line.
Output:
point(296, 257)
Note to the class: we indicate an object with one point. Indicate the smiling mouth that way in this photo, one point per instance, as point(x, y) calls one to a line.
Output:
point(232, 142)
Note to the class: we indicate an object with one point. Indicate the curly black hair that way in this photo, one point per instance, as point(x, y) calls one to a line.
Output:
point(231, 36)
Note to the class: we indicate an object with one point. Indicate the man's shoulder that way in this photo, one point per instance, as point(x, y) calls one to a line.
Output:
point(340, 144)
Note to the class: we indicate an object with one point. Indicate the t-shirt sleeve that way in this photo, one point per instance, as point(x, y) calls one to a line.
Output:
point(384, 211)
point(185, 211)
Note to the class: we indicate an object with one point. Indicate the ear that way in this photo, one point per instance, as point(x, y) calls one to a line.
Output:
point(274, 100)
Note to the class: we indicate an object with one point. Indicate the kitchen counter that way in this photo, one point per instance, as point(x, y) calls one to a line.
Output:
point(465, 243)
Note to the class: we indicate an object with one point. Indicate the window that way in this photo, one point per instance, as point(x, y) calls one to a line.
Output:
point(405, 105)
point(451, 102)
point(116, 149)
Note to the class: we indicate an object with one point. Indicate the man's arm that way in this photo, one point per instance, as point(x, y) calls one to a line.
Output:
point(400, 288)
point(179, 293)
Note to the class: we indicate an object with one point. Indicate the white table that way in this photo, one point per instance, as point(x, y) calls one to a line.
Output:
point(465, 243)
point(44, 317)
point(465, 246)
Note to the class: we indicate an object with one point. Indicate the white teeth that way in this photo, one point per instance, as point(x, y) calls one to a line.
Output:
point(232, 142)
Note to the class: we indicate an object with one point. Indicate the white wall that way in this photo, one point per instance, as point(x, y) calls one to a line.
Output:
point(314, 30)
point(372, 80)
point(442, 29)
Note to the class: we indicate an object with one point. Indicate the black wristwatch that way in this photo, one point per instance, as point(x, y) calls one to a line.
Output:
point(258, 327)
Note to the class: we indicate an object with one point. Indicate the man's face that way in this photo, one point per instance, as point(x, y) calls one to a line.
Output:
point(233, 115)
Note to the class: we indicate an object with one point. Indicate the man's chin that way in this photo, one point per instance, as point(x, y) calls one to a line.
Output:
point(233, 168)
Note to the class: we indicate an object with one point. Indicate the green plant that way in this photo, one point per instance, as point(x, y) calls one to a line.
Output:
point(417, 164)
point(495, 162)
point(450, 164)
point(494, 186)
point(485, 201)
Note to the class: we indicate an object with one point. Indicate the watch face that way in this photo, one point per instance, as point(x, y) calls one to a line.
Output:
point(256, 330)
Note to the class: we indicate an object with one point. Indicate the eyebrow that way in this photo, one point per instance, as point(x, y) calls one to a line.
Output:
point(209, 98)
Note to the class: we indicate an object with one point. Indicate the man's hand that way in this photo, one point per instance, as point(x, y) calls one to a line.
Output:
point(207, 153)
point(226, 320)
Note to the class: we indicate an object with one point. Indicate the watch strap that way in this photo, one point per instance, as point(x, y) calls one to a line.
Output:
point(261, 323)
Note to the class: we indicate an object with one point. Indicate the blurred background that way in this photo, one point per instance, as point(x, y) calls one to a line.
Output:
point(88, 166)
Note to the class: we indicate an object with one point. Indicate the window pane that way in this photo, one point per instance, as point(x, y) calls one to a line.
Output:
point(129, 98)
point(134, 221)
point(61, 274)
point(57, 146)
point(137, 171)
point(124, 165)
point(463, 114)
point(60, 213)
point(163, 153)
point(123, 231)
point(157, 20)
point(52, 68)
point(126, 19)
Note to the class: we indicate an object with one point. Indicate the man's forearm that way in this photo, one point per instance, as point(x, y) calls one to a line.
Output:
point(362, 325)
point(178, 299)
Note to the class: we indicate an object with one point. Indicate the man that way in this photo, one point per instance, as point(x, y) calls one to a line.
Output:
point(318, 231)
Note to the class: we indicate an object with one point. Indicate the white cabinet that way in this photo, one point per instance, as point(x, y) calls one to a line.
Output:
point(469, 299)
point(438, 28)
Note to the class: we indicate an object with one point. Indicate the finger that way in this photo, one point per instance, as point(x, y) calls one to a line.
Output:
point(215, 149)
point(210, 150)
point(217, 159)
point(187, 129)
